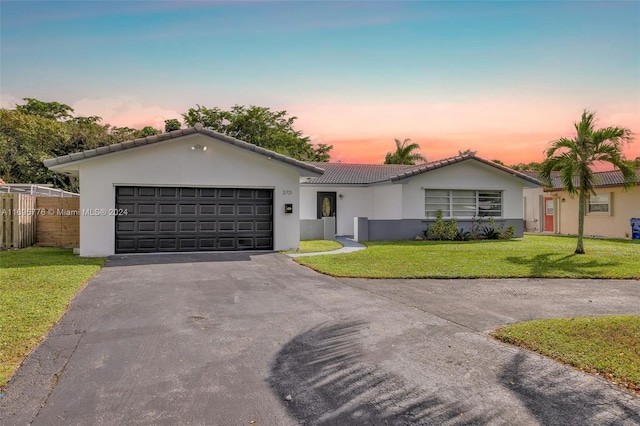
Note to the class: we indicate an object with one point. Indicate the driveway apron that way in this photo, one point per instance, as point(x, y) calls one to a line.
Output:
point(251, 338)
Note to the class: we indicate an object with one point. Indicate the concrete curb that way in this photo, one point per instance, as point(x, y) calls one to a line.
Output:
point(349, 246)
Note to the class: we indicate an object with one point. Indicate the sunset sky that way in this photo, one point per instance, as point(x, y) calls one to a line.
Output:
point(502, 78)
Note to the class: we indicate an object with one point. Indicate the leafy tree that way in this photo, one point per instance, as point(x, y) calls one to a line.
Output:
point(52, 110)
point(122, 134)
point(260, 126)
point(321, 153)
point(86, 133)
point(637, 162)
point(527, 166)
point(171, 125)
point(499, 162)
point(148, 131)
point(467, 152)
point(25, 141)
point(575, 157)
point(405, 154)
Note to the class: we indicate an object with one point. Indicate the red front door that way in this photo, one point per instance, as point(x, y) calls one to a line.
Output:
point(548, 214)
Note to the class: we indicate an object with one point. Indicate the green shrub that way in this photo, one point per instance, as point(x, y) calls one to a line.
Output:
point(441, 229)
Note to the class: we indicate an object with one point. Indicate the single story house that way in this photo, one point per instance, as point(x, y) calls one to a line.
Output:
point(393, 202)
point(196, 189)
point(608, 211)
point(188, 190)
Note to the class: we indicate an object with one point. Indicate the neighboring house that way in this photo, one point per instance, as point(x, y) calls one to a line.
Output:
point(393, 202)
point(198, 190)
point(188, 190)
point(608, 211)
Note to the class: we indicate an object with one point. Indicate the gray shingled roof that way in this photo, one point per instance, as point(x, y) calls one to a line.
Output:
point(339, 173)
point(198, 128)
point(353, 174)
point(602, 179)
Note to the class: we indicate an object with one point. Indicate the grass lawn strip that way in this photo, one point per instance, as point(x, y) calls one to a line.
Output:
point(36, 285)
point(316, 246)
point(606, 346)
point(531, 256)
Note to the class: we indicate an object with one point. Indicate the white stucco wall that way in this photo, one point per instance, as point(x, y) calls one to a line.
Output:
point(469, 175)
point(173, 163)
point(356, 201)
point(387, 202)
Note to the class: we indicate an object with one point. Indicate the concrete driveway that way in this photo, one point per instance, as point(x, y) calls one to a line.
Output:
point(231, 339)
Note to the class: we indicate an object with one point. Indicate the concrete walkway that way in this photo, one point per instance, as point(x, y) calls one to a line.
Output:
point(349, 246)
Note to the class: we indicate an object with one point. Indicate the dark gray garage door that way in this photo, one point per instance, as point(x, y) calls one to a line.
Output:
point(193, 219)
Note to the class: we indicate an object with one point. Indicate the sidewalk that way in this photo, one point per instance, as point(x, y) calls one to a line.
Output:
point(349, 246)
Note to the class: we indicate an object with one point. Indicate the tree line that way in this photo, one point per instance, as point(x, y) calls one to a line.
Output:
point(37, 130)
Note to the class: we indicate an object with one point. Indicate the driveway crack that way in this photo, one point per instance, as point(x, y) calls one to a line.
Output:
point(56, 376)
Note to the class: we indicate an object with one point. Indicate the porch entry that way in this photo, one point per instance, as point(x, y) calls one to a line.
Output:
point(548, 214)
point(326, 205)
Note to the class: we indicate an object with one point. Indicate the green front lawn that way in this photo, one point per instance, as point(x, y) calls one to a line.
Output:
point(36, 285)
point(531, 256)
point(607, 346)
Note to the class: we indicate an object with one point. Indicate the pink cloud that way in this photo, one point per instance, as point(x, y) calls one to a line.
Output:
point(501, 129)
point(125, 111)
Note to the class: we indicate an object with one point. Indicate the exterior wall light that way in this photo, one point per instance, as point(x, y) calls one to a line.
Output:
point(199, 147)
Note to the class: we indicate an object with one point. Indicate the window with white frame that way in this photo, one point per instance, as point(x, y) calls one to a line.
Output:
point(456, 203)
point(600, 203)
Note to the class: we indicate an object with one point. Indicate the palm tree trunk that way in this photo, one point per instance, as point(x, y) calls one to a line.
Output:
point(581, 212)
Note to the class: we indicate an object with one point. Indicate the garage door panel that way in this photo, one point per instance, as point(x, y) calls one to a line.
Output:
point(125, 244)
point(145, 209)
point(246, 210)
point(208, 192)
point(207, 209)
point(264, 211)
point(226, 226)
point(188, 192)
point(208, 226)
point(168, 192)
point(263, 243)
point(167, 226)
point(264, 226)
point(192, 219)
point(264, 194)
point(227, 210)
point(168, 209)
point(128, 226)
point(187, 209)
point(245, 226)
point(147, 227)
point(146, 192)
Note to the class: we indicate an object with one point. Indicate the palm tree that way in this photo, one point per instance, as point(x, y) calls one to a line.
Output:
point(574, 158)
point(404, 154)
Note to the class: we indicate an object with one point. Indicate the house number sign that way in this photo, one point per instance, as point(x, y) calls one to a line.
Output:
point(287, 192)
